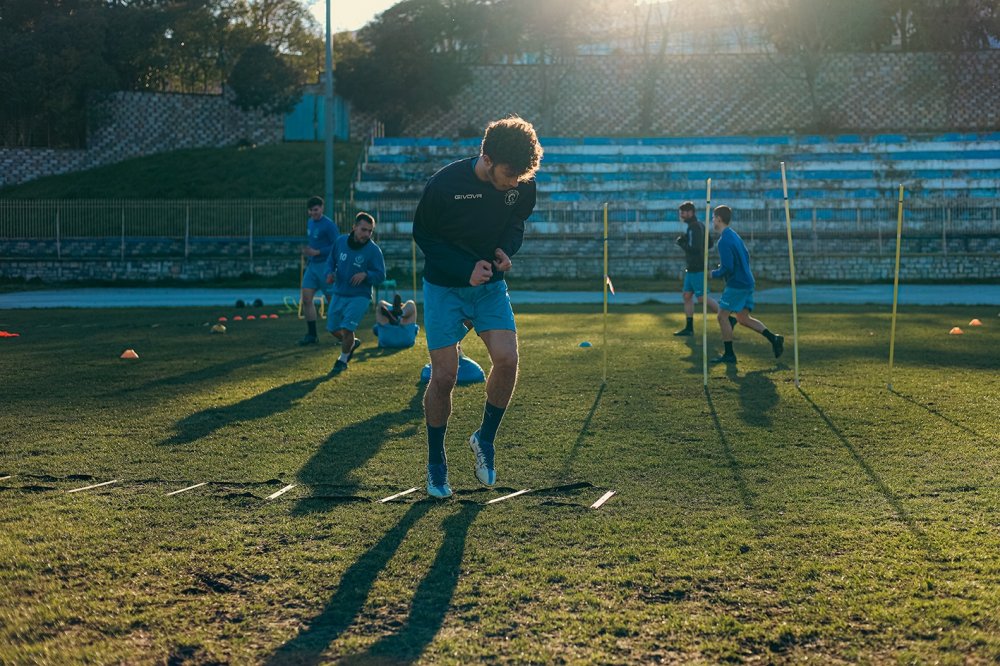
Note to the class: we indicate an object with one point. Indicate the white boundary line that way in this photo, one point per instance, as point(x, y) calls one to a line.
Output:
point(397, 495)
point(98, 485)
point(500, 499)
point(184, 490)
point(281, 492)
point(4, 478)
point(604, 498)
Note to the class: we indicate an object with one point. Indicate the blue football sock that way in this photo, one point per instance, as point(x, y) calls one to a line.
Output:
point(435, 445)
point(492, 415)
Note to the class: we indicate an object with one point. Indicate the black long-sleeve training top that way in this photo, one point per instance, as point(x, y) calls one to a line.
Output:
point(693, 244)
point(461, 220)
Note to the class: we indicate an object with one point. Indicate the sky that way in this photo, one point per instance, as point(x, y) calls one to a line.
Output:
point(349, 14)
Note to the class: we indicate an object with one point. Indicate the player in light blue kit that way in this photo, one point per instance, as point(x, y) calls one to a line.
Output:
point(320, 234)
point(737, 298)
point(355, 266)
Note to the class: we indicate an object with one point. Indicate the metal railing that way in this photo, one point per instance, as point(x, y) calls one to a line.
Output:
point(118, 227)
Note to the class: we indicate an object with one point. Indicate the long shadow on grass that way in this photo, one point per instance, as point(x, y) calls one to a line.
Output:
point(746, 496)
point(203, 373)
point(428, 610)
point(431, 600)
point(897, 505)
point(758, 395)
point(571, 458)
point(350, 448)
point(941, 416)
point(279, 399)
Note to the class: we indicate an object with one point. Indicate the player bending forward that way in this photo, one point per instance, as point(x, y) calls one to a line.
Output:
point(469, 223)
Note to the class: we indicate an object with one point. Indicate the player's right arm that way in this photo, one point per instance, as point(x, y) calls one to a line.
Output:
point(726, 263)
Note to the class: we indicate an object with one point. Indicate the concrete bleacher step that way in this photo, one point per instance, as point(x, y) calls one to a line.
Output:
point(829, 178)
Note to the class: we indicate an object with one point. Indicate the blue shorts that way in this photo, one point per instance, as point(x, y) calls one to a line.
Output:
point(314, 278)
point(346, 312)
point(445, 308)
point(694, 282)
point(734, 299)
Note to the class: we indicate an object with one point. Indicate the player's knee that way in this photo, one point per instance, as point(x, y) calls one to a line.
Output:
point(505, 361)
point(444, 378)
point(722, 316)
point(688, 297)
point(743, 317)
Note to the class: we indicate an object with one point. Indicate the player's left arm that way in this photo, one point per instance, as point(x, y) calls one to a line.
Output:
point(376, 267)
point(513, 235)
point(329, 234)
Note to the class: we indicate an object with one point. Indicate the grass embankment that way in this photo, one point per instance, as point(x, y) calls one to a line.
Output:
point(282, 171)
point(754, 523)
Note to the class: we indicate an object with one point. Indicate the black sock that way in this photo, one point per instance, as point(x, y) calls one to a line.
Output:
point(435, 445)
point(312, 327)
point(729, 348)
point(491, 421)
point(690, 324)
point(768, 334)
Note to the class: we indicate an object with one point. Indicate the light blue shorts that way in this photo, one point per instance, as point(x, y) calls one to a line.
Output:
point(734, 299)
point(314, 278)
point(445, 308)
point(694, 282)
point(346, 312)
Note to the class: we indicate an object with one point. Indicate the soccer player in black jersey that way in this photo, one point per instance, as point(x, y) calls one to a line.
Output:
point(469, 223)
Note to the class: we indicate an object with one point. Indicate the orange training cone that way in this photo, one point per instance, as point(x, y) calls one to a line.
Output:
point(975, 322)
point(274, 316)
point(129, 353)
point(237, 318)
point(223, 319)
point(956, 331)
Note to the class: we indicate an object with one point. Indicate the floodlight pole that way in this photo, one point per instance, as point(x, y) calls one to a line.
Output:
point(328, 116)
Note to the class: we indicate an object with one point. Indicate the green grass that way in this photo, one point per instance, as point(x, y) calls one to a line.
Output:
point(282, 171)
point(755, 523)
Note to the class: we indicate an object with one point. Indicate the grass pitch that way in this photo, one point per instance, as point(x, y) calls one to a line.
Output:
point(755, 523)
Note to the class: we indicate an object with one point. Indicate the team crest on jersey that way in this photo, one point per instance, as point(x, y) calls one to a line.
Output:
point(511, 197)
point(358, 260)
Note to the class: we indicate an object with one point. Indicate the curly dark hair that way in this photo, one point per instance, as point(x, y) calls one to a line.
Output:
point(512, 141)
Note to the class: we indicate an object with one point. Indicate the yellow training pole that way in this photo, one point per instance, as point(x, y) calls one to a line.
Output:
point(791, 268)
point(302, 274)
point(413, 250)
point(704, 286)
point(895, 285)
point(604, 345)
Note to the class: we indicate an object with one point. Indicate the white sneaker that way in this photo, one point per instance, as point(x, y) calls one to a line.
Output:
point(484, 452)
point(437, 481)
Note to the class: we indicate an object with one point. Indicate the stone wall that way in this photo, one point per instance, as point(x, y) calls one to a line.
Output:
point(706, 95)
point(822, 258)
point(128, 124)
